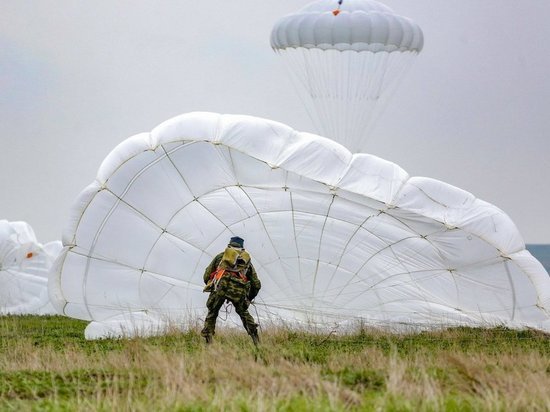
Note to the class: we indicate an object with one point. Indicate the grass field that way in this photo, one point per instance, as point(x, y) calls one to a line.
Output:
point(45, 364)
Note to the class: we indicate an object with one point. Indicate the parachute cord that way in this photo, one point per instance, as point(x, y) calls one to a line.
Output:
point(332, 332)
point(257, 316)
point(227, 309)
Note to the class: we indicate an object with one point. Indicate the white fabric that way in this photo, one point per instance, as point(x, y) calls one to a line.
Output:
point(346, 66)
point(24, 268)
point(335, 237)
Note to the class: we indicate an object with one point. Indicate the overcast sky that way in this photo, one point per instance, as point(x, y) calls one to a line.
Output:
point(78, 77)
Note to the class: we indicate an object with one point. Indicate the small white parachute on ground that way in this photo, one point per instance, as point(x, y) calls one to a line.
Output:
point(24, 268)
point(347, 57)
point(337, 238)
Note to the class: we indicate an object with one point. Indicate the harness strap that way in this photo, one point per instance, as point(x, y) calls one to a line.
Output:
point(239, 275)
point(215, 279)
point(216, 276)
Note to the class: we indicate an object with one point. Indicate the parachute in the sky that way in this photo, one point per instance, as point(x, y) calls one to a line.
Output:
point(24, 268)
point(337, 238)
point(347, 58)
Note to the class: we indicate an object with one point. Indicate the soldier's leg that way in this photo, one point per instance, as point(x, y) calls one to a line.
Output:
point(214, 303)
point(241, 307)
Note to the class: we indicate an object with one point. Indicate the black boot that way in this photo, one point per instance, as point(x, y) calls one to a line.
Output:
point(208, 339)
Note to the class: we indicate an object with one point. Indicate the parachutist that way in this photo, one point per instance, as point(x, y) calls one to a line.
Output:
point(337, 11)
point(231, 277)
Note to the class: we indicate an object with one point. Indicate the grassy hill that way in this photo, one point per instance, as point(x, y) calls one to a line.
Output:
point(542, 253)
point(45, 364)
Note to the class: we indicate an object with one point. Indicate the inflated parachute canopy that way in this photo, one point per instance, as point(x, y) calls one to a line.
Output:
point(24, 269)
point(346, 59)
point(359, 25)
point(336, 238)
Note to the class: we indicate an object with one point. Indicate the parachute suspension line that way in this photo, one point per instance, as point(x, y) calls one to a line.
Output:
point(324, 89)
point(257, 316)
point(302, 80)
point(227, 309)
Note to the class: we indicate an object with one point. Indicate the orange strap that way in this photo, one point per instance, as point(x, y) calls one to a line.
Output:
point(217, 274)
point(240, 275)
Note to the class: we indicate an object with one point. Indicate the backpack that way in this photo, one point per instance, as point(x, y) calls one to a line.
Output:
point(235, 263)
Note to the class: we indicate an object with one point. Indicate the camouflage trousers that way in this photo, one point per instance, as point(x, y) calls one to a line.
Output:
point(235, 292)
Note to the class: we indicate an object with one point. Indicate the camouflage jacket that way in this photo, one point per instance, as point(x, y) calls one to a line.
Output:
point(253, 281)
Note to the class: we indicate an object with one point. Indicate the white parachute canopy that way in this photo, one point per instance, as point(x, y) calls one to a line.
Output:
point(347, 59)
point(336, 238)
point(24, 268)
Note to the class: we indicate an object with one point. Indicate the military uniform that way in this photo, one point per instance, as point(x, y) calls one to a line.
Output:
point(239, 288)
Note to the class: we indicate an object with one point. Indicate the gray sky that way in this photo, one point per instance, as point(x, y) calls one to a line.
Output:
point(78, 77)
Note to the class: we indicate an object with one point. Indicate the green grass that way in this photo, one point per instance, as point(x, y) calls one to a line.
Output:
point(46, 364)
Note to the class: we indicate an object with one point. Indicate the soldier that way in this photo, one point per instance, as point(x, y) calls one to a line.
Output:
point(232, 277)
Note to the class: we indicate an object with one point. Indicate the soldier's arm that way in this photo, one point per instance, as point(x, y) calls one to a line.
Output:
point(255, 284)
point(212, 267)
